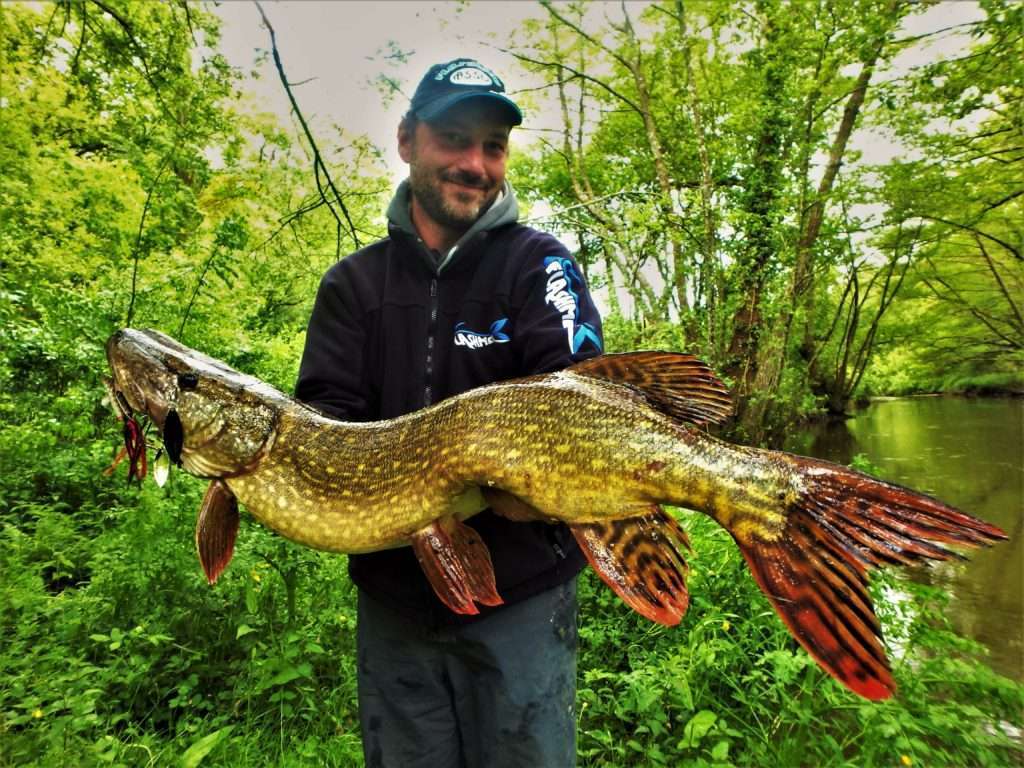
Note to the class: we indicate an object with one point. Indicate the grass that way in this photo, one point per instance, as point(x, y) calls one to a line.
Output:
point(116, 652)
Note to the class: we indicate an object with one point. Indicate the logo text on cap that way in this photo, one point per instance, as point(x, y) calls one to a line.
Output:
point(470, 76)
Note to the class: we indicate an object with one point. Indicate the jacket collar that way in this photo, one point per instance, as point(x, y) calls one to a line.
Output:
point(504, 210)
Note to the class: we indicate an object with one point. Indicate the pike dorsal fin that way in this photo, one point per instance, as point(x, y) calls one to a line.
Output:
point(641, 559)
point(216, 529)
point(678, 385)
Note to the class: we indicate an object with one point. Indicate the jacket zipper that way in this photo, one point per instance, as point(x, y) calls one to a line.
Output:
point(553, 541)
point(428, 395)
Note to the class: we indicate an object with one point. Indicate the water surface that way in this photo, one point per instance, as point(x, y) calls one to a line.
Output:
point(969, 452)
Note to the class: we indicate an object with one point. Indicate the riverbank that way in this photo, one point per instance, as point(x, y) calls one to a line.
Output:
point(866, 400)
point(992, 384)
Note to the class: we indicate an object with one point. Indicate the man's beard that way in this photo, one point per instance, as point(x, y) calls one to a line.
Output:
point(426, 187)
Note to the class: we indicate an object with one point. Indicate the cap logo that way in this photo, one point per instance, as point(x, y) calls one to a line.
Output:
point(470, 76)
point(468, 72)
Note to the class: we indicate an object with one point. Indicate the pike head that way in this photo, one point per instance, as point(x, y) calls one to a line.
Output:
point(214, 421)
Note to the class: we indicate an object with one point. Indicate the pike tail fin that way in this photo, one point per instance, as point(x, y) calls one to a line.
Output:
point(641, 559)
point(814, 570)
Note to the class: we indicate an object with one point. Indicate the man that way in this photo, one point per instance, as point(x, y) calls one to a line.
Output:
point(457, 296)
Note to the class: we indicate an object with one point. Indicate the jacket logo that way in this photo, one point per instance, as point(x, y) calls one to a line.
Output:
point(560, 294)
point(475, 340)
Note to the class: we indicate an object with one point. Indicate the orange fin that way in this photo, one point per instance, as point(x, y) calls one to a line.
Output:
point(216, 529)
point(814, 570)
point(457, 564)
point(680, 386)
point(641, 559)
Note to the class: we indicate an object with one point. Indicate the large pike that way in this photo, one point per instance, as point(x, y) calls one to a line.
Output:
point(599, 446)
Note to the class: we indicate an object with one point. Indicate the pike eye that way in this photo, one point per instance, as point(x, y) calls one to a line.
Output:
point(188, 380)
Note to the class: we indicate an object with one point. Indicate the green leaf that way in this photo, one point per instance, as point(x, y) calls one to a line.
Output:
point(698, 727)
point(290, 673)
point(720, 751)
point(194, 755)
point(250, 599)
point(243, 630)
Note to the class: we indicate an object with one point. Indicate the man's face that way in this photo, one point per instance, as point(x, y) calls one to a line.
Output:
point(457, 162)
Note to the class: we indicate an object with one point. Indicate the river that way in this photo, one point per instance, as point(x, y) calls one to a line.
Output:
point(969, 452)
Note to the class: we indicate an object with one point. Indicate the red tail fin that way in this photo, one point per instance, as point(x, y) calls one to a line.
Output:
point(815, 570)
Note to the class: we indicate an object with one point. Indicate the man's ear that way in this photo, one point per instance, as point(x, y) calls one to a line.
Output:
point(406, 138)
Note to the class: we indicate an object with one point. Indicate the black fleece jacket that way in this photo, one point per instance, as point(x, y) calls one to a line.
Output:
point(396, 327)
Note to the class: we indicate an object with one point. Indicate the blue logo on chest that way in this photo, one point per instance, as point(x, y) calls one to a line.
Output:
point(475, 340)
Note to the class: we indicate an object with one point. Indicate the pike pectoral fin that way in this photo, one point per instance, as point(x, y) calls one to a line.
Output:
point(680, 386)
point(641, 559)
point(457, 565)
point(216, 529)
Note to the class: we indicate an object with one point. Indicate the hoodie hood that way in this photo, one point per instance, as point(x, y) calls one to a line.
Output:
point(504, 210)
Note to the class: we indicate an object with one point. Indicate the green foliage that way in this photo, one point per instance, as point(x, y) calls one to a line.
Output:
point(717, 163)
point(113, 650)
point(136, 187)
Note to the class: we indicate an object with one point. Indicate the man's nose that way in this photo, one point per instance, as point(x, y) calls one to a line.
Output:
point(471, 160)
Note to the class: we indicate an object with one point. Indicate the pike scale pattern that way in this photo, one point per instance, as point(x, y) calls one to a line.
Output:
point(600, 446)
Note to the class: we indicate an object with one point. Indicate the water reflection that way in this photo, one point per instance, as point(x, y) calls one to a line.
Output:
point(969, 453)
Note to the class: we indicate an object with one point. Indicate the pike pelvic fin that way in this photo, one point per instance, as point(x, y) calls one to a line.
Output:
point(680, 386)
point(216, 529)
point(457, 564)
point(814, 570)
point(641, 559)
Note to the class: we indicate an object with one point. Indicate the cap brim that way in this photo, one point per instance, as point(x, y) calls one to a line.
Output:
point(438, 107)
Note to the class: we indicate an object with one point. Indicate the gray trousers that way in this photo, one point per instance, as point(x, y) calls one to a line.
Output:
point(499, 692)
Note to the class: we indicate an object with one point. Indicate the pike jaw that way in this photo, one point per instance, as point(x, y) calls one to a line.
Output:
point(215, 421)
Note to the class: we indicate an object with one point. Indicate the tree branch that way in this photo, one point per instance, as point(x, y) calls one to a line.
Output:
point(576, 73)
point(136, 255)
point(318, 163)
point(1016, 253)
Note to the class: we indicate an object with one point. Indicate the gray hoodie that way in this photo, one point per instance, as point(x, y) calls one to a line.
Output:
point(504, 210)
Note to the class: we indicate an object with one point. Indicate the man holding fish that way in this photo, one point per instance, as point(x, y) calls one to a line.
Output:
point(459, 295)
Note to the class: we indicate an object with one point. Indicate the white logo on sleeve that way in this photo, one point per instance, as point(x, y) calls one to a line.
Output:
point(560, 293)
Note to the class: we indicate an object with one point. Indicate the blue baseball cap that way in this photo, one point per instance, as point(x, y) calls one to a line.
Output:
point(448, 84)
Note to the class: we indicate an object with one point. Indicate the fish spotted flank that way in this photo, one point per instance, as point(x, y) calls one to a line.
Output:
point(475, 340)
point(560, 293)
